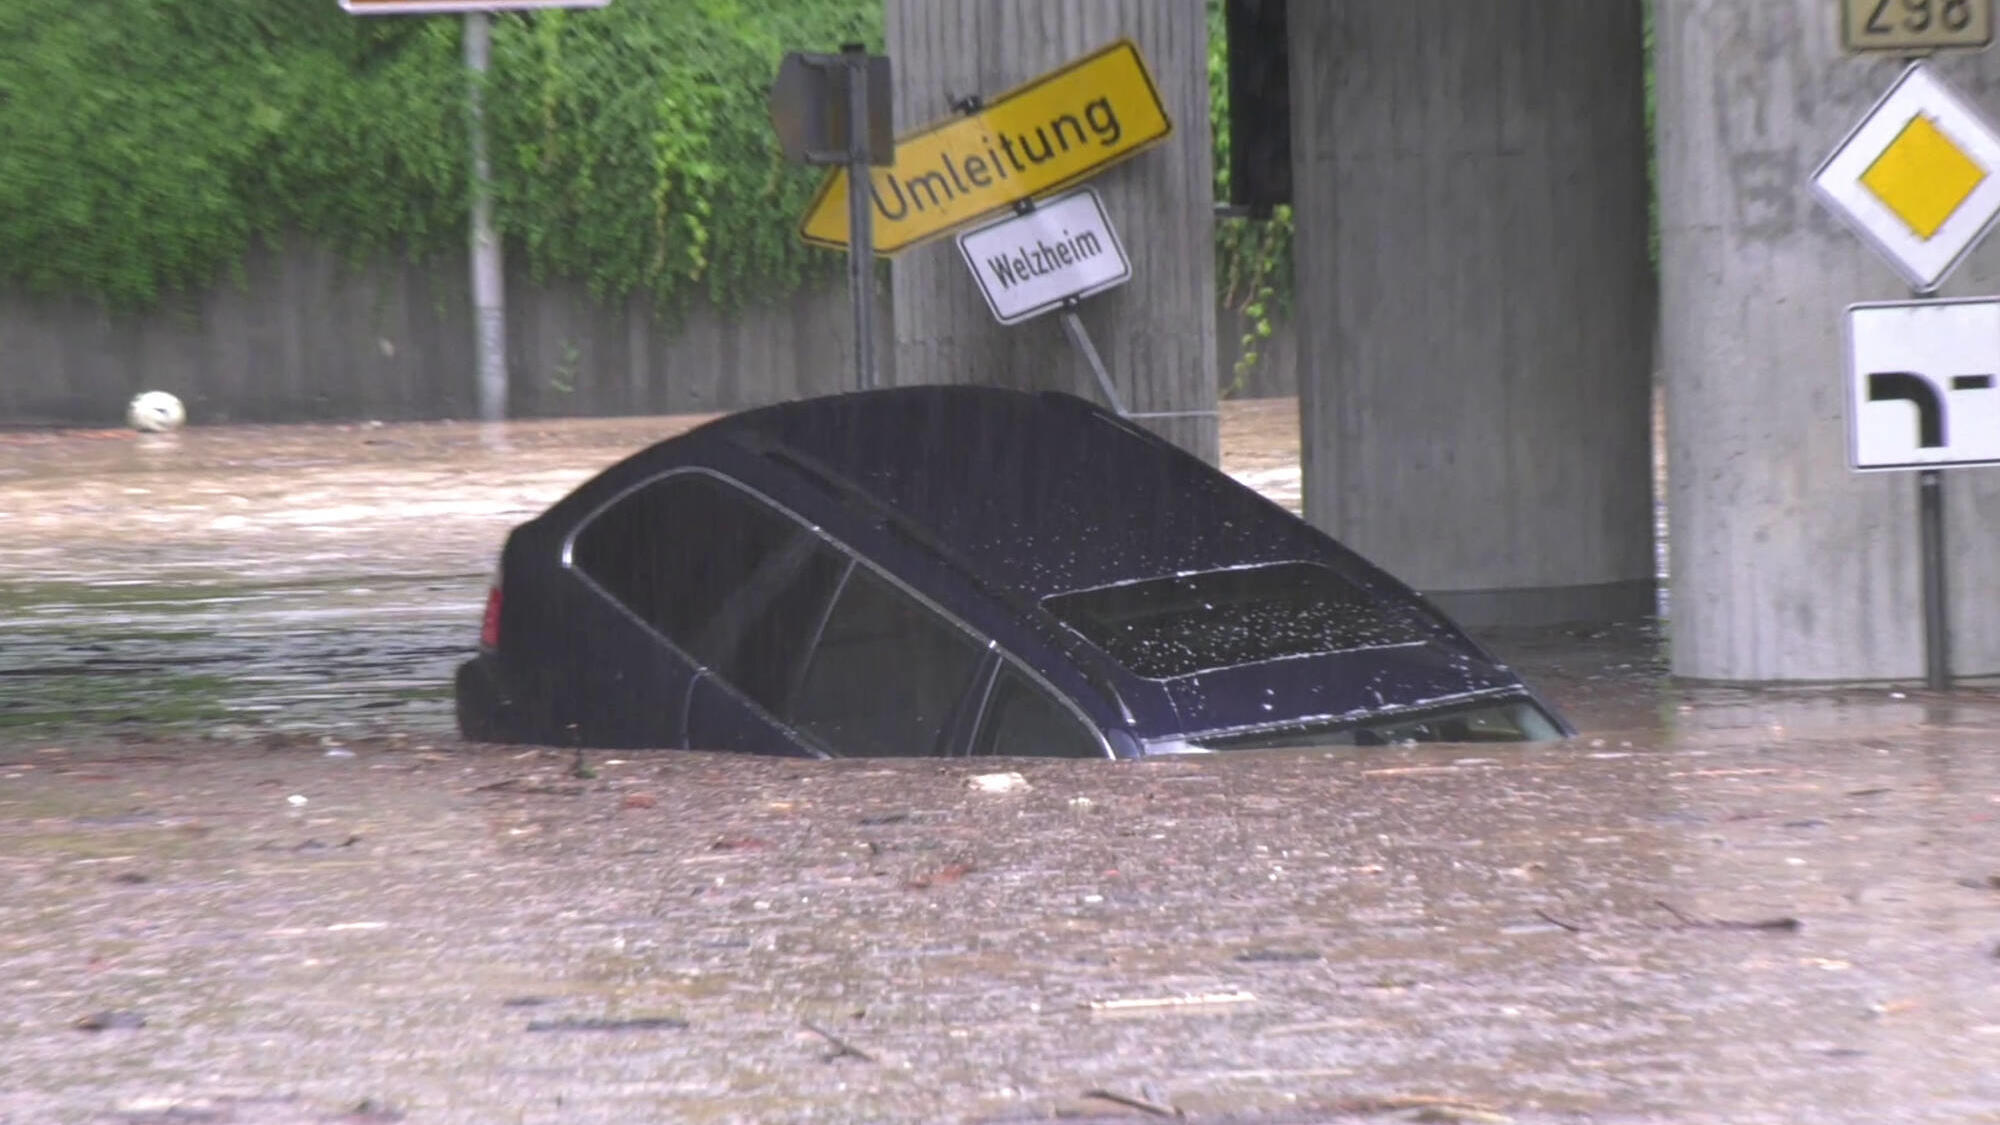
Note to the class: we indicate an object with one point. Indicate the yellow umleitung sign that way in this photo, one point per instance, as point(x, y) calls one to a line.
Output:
point(1052, 132)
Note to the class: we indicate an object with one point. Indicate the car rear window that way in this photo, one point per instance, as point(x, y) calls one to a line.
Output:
point(675, 549)
point(1166, 627)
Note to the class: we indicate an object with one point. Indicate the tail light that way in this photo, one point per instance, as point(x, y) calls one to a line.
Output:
point(489, 626)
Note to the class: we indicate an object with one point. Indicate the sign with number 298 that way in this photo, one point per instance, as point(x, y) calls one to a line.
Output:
point(1915, 25)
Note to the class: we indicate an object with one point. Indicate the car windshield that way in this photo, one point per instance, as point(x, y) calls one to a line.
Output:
point(1166, 627)
point(1507, 720)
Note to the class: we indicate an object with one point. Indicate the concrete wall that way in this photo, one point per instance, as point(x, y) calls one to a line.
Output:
point(1156, 333)
point(309, 337)
point(1787, 566)
point(1474, 304)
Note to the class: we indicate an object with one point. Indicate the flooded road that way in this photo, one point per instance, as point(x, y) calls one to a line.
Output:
point(288, 578)
point(321, 578)
point(1800, 931)
point(240, 846)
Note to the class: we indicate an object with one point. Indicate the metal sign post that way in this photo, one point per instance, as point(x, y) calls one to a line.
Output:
point(860, 248)
point(1923, 393)
point(1080, 336)
point(1930, 528)
point(489, 288)
point(834, 109)
point(1930, 546)
point(1919, 179)
point(489, 294)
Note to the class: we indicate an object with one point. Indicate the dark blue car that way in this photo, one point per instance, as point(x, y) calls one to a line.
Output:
point(957, 570)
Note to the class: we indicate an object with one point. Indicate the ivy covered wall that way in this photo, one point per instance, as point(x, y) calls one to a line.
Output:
point(147, 142)
point(148, 147)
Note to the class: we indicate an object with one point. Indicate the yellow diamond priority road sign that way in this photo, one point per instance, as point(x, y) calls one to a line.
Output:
point(1919, 177)
point(1923, 177)
point(1058, 129)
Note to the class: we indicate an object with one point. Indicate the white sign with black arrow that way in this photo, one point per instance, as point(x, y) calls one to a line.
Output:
point(1924, 383)
point(1917, 178)
point(1031, 263)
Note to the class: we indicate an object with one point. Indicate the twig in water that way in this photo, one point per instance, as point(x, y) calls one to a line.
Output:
point(1557, 922)
point(519, 785)
point(1786, 923)
point(841, 1047)
point(1140, 1104)
point(644, 1023)
point(1681, 916)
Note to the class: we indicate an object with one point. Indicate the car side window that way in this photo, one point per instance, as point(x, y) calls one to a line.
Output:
point(759, 646)
point(673, 549)
point(886, 675)
point(1022, 721)
point(737, 584)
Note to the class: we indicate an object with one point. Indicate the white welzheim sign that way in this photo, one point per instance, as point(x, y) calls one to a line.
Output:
point(1028, 264)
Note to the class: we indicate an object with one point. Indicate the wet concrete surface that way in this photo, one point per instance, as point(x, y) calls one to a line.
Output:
point(238, 838)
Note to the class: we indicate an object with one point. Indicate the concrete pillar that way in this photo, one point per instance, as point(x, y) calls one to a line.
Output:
point(1786, 565)
point(1157, 333)
point(1474, 303)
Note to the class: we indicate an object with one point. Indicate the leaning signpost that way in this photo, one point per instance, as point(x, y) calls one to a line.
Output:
point(1008, 152)
point(1919, 180)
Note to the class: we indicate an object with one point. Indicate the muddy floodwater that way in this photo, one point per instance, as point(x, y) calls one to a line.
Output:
point(248, 874)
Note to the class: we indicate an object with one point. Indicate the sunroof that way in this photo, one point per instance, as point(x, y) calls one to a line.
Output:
point(1167, 627)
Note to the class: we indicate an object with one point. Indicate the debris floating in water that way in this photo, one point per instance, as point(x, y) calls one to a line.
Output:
point(1009, 782)
point(643, 1023)
point(110, 1021)
point(1158, 1003)
point(1784, 923)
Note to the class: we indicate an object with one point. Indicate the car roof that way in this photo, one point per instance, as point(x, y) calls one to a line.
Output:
point(1043, 493)
point(1031, 496)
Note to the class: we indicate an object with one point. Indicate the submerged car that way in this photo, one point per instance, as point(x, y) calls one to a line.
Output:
point(951, 570)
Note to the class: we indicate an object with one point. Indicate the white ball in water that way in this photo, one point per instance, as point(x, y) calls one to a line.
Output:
point(156, 412)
